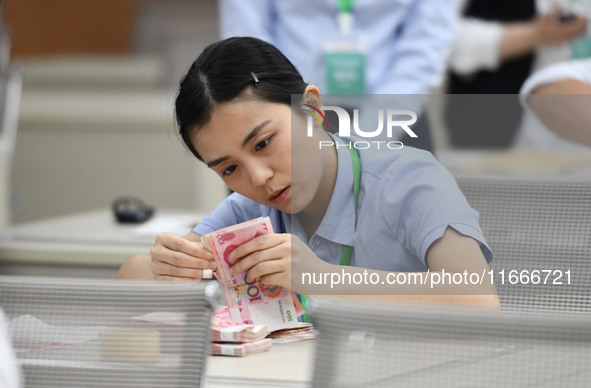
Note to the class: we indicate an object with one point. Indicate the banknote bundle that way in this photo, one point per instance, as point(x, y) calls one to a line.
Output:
point(250, 302)
point(240, 349)
point(235, 338)
point(304, 331)
point(228, 331)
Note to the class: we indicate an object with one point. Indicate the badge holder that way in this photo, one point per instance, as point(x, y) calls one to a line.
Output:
point(581, 47)
point(345, 60)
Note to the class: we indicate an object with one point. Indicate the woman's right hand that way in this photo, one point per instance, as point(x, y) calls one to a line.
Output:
point(179, 258)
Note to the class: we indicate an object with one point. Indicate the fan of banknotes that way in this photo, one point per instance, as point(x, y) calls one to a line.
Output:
point(254, 302)
point(251, 305)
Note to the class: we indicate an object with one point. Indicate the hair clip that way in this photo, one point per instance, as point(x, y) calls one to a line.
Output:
point(255, 79)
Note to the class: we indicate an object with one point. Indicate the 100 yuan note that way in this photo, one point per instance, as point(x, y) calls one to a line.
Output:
point(250, 302)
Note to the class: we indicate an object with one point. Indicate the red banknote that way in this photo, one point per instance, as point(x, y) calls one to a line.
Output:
point(252, 303)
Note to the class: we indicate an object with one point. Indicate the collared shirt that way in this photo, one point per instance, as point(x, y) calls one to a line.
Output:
point(408, 40)
point(406, 202)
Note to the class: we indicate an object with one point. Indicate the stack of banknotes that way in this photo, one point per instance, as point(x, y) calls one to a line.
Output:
point(238, 339)
point(251, 302)
point(233, 333)
point(228, 331)
point(303, 331)
point(257, 314)
point(240, 349)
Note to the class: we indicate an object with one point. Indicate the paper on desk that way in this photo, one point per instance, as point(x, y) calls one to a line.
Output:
point(178, 224)
point(163, 318)
point(30, 333)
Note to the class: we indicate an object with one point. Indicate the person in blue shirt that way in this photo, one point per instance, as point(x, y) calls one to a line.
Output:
point(234, 111)
point(407, 41)
point(402, 46)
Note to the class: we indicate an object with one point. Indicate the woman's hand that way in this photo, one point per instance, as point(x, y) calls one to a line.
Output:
point(274, 259)
point(179, 258)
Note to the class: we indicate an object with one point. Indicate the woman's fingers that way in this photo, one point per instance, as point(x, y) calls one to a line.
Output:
point(268, 267)
point(177, 257)
point(255, 252)
point(180, 244)
point(258, 243)
point(180, 259)
point(160, 269)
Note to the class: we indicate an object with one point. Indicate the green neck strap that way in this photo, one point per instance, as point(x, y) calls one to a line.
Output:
point(347, 250)
point(345, 6)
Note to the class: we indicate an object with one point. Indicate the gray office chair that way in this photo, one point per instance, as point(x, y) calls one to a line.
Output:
point(373, 346)
point(71, 332)
point(536, 223)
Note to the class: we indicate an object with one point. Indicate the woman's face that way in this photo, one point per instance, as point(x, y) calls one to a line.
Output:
point(248, 143)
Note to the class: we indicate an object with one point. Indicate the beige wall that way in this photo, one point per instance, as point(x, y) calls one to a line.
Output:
point(78, 151)
point(98, 126)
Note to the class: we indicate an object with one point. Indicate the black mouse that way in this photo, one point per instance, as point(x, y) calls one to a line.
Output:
point(131, 210)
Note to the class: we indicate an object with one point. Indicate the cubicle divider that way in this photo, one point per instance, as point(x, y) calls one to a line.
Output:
point(370, 346)
point(539, 229)
point(70, 332)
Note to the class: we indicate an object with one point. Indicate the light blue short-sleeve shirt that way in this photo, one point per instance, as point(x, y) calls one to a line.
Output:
point(406, 201)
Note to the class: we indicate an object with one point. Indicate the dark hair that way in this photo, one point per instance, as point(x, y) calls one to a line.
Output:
point(223, 71)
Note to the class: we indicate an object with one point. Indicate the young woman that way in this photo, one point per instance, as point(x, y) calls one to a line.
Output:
point(234, 111)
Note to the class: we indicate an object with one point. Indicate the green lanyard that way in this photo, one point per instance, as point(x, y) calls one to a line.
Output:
point(345, 6)
point(347, 250)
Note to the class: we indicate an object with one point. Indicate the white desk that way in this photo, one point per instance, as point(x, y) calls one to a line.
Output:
point(517, 162)
point(284, 365)
point(89, 244)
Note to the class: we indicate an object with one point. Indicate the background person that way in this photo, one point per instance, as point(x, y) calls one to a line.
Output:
point(408, 41)
point(405, 44)
point(497, 45)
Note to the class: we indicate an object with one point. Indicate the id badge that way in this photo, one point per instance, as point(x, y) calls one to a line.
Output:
point(345, 67)
point(581, 48)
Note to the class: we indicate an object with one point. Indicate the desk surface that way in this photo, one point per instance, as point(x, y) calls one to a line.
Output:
point(517, 162)
point(284, 365)
point(87, 239)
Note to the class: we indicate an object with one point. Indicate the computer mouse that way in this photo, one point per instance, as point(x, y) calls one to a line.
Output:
point(131, 210)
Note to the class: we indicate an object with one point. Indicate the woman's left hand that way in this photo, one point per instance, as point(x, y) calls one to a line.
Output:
point(272, 258)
